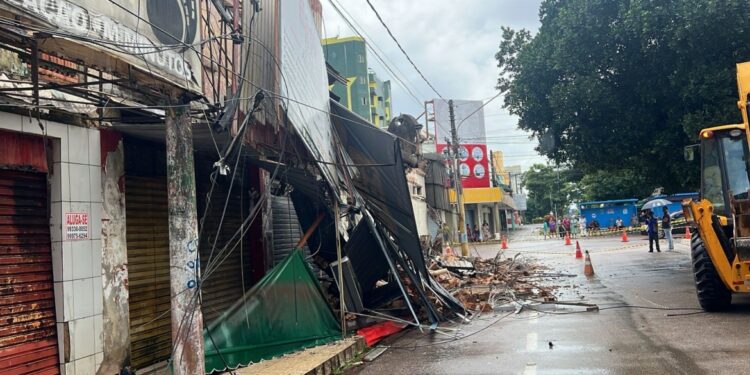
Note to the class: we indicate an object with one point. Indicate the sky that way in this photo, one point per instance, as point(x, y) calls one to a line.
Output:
point(454, 45)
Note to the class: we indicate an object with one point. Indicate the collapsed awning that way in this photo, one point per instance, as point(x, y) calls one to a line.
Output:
point(380, 179)
point(284, 312)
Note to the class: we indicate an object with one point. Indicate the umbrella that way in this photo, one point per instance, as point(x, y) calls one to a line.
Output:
point(655, 203)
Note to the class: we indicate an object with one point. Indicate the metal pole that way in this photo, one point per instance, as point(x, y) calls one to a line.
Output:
point(187, 319)
point(462, 235)
point(340, 269)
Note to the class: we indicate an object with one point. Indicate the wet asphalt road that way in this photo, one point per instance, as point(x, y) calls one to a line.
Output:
point(648, 339)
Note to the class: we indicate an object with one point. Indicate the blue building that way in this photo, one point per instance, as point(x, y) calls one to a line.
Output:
point(607, 212)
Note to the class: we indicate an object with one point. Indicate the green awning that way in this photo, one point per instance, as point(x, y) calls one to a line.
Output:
point(286, 311)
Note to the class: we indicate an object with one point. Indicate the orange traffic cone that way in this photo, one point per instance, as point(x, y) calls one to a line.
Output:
point(588, 269)
point(504, 243)
point(567, 239)
point(624, 235)
point(687, 233)
point(579, 255)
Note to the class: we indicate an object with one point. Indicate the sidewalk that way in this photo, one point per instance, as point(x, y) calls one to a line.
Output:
point(319, 360)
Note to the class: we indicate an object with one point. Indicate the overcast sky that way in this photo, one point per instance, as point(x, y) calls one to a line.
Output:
point(454, 44)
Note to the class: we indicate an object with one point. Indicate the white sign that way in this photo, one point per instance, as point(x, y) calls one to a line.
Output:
point(477, 154)
point(469, 116)
point(304, 70)
point(163, 38)
point(76, 226)
point(478, 171)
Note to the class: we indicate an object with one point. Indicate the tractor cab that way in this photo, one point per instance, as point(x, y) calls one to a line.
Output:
point(724, 167)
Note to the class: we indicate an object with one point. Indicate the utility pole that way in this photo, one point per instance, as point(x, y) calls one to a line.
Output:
point(187, 319)
point(462, 236)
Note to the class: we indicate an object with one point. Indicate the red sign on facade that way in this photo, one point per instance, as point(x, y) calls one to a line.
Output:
point(76, 226)
point(473, 164)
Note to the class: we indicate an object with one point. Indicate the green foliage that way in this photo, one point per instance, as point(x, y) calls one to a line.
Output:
point(616, 88)
point(620, 184)
point(549, 190)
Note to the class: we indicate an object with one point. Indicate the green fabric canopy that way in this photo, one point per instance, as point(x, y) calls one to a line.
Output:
point(286, 311)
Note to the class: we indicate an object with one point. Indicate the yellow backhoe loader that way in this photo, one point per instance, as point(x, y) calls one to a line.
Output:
point(720, 244)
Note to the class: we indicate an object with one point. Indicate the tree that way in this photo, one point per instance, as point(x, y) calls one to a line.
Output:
point(621, 86)
point(606, 185)
point(549, 190)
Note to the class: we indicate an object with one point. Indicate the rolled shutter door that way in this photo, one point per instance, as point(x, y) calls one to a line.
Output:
point(286, 229)
point(224, 286)
point(28, 335)
point(147, 224)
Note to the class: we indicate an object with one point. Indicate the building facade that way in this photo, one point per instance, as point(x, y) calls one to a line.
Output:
point(363, 92)
point(380, 100)
point(484, 202)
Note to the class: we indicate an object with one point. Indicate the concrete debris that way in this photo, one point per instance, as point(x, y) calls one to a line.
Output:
point(374, 353)
point(483, 284)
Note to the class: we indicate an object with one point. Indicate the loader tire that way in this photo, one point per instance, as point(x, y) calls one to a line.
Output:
point(713, 295)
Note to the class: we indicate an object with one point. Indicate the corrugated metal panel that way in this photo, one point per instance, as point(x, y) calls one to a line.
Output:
point(22, 151)
point(286, 229)
point(147, 225)
point(28, 335)
point(225, 285)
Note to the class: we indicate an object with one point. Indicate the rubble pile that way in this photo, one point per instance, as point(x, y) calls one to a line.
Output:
point(483, 284)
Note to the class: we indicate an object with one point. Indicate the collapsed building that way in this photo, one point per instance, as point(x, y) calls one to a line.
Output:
point(173, 200)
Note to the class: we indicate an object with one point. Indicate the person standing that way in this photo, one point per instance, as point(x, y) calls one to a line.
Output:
point(574, 227)
point(552, 226)
point(653, 231)
point(666, 225)
point(446, 234)
point(582, 223)
point(545, 228)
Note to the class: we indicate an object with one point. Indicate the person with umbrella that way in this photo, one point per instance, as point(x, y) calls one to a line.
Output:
point(652, 223)
point(653, 231)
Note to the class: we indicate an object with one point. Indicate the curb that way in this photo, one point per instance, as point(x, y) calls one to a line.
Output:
point(319, 360)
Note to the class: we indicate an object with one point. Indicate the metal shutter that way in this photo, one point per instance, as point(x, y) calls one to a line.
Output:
point(286, 229)
point(224, 286)
point(28, 335)
point(147, 224)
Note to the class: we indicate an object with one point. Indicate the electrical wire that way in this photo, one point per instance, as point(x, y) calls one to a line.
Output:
point(382, 22)
point(458, 127)
point(456, 339)
point(374, 48)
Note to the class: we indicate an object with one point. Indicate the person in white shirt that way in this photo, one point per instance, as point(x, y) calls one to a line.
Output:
point(582, 224)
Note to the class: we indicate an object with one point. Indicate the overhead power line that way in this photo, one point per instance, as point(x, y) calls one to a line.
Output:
point(382, 22)
point(374, 45)
point(480, 107)
point(338, 9)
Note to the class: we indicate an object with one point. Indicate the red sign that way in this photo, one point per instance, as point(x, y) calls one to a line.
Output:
point(76, 226)
point(473, 164)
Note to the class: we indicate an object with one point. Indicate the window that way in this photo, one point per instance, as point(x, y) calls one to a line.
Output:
point(361, 58)
point(712, 184)
point(363, 80)
point(735, 149)
point(364, 100)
